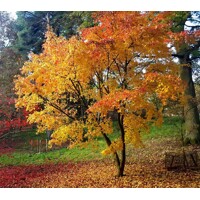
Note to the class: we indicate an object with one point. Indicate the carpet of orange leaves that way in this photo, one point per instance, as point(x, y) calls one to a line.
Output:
point(145, 169)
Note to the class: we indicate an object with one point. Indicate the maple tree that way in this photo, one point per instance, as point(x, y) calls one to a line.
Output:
point(52, 80)
point(116, 67)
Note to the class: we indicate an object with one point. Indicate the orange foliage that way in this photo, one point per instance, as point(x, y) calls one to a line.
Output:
point(116, 66)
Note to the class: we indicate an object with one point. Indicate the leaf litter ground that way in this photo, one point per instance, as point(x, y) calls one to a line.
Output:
point(144, 169)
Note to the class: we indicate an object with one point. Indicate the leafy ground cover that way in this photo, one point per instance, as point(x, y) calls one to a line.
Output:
point(145, 168)
point(87, 168)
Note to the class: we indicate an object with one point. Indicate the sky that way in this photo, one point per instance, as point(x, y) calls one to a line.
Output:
point(92, 5)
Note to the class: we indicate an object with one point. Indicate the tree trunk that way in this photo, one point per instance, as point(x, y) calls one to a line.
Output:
point(191, 114)
point(120, 164)
point(116, 157)
point(123, 151)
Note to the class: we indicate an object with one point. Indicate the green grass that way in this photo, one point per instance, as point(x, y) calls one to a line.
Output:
point(170, 128)
point(61, 155)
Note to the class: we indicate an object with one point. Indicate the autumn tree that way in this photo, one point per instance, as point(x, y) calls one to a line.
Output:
point(114, 67)
point(53, 81)
point(131, 64)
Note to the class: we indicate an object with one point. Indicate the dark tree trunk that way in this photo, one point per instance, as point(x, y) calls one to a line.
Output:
point(120, 163)
point(116, 157)
point(123, 151)
point(191, 114)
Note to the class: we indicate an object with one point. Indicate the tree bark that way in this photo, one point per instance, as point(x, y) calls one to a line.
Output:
point(120, 163)
point(116, 157)
point(191, 114)
point(123, 151)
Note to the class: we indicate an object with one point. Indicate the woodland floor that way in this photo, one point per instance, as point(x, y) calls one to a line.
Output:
point(145, 168)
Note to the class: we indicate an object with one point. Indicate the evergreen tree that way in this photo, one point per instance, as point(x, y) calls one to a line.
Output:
point(31, 27)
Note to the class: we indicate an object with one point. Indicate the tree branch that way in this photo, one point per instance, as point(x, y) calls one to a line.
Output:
point(177, 55)
point(55, 106)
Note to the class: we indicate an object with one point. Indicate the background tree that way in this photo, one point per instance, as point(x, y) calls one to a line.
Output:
point(7, 59)
point(186, 29)
point(10, 63)
point(31, 27)
point(7, 33)
point(7, 55)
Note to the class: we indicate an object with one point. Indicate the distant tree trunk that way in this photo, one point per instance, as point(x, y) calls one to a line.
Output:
point(49, 133)
point(191, 114)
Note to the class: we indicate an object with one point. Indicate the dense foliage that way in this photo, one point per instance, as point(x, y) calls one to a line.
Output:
point(116, 67)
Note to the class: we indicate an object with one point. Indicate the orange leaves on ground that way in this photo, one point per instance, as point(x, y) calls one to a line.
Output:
point(144, 169)
point(23, 176)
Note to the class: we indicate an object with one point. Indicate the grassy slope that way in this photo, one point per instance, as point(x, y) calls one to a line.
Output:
point(170, 128)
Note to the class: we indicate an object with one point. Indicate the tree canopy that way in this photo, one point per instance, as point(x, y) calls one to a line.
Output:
point(117, 66)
